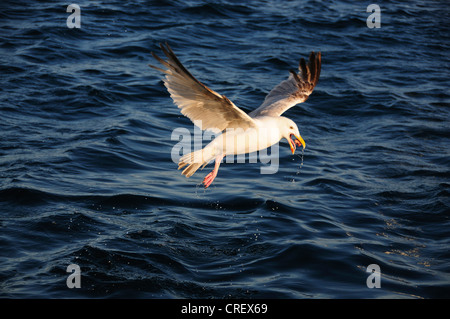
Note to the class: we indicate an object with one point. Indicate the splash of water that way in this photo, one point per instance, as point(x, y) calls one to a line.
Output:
point(301, 162)
point(299, 167)
point(197, 194)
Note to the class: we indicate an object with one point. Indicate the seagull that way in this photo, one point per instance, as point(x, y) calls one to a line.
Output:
point(240, 133)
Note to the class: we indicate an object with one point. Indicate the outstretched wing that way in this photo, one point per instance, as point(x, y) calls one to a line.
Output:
point(206, 108)
point(296, 89)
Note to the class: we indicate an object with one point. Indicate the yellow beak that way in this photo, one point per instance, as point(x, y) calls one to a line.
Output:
point(299, 142)
point(300, 139)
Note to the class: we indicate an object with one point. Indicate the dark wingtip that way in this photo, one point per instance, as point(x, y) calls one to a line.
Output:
point(314, 66)
point(295, 75)
point(302, 64)
point(155, 56)
point(318, 66)
point(304, 70)
point(309, 72)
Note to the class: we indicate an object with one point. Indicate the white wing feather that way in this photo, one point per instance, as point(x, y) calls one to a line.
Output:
point(206, 108)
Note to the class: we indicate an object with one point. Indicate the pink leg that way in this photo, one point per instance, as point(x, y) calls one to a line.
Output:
point(210, 177)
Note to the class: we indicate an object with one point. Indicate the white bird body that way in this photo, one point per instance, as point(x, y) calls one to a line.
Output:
point(241, 133)
point(268, 131)
point(240, 141)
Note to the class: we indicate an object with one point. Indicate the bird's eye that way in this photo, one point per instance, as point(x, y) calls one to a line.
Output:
point(291, 127)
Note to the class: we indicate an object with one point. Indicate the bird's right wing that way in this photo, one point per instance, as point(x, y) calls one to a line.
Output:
point(203, 106)
point(296, 89)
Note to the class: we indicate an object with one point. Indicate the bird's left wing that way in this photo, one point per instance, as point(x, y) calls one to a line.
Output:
point(296, 89)
point(203, 106)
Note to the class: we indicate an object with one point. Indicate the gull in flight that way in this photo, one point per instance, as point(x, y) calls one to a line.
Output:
point(241, 133)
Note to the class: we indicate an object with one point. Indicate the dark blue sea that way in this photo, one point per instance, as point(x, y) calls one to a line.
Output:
point(87, 177)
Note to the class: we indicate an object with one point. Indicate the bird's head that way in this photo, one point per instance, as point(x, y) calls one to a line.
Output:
point(289, 131)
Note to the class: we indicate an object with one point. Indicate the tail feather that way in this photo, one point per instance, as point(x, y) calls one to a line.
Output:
point(191, 169)
point(193, 161)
